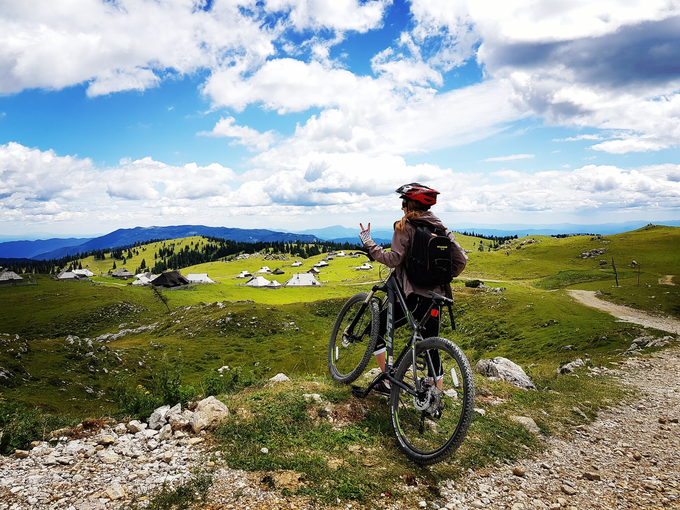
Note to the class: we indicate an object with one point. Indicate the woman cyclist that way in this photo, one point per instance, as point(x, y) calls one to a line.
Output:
point(416, 201)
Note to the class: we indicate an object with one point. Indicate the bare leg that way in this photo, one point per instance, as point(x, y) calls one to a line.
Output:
point(380, 358)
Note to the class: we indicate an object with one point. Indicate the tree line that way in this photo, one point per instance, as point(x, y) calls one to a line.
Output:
point(497, 239)
point(167, 257)
point(216, 249)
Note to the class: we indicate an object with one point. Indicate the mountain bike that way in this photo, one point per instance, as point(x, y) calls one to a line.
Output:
point(433, 391)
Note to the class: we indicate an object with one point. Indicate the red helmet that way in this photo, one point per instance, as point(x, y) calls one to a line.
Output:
point(419, 193)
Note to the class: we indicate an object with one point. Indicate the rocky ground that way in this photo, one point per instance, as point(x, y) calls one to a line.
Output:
point(628, 458)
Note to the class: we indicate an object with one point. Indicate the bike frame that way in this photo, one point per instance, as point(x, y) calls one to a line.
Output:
point(396, 295)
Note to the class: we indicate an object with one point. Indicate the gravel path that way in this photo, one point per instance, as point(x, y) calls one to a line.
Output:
point(627, 459)
point(626, 314)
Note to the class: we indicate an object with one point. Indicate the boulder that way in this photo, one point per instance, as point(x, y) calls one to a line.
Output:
point(209, 413)
point(180, 421)
point(135, 426)
point(527, 423)
point(108, 456)
point(570, 367)
point(279, 378)
point(165, 433)
point(115, 491)
point(505, 370)
point(158, 418)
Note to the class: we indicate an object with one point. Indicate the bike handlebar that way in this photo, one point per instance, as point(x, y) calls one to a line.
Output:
point(363, 250)
point(440, 299)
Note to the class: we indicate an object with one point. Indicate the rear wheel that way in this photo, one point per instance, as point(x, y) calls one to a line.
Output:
point(431, 425)
point(353, 339)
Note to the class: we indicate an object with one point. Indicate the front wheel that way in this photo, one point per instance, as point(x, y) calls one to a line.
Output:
point(353, 339)
point(432, 423)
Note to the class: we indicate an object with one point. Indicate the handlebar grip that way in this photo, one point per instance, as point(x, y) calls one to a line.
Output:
point(440, 298)
point(364, 250)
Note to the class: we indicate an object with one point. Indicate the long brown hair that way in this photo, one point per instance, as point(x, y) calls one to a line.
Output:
point(413, 211)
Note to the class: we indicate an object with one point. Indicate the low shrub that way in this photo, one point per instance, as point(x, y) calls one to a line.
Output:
point(19, 425)
point(473, 284)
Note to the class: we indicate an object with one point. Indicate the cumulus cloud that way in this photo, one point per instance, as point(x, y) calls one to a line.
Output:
point(290, 85)
point(607, 65)
point(244, 135)
point(43, 187)
point(340, 15)
point(35, 184)
point(132, 44)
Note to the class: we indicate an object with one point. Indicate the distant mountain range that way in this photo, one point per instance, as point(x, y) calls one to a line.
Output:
point(58, 248)
point(340, 234)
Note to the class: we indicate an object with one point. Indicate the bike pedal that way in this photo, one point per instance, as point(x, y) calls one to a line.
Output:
point(358, 391)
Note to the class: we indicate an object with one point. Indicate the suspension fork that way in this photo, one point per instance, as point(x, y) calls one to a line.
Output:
point(361, 311)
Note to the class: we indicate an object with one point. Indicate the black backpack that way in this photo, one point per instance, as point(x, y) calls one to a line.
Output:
point(429, 262)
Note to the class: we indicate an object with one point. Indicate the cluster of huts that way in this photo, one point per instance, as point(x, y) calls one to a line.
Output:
point(306, 279)
point(257, 280)
point(174, 279)
point(168, 279)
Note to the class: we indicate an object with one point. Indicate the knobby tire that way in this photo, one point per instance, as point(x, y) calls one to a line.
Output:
point(430, 428)
point(347, 360)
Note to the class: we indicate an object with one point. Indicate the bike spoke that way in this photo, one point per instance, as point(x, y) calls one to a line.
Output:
point(352, 340)
point(428, 424)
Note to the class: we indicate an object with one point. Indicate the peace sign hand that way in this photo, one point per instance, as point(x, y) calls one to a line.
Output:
point(365, 234)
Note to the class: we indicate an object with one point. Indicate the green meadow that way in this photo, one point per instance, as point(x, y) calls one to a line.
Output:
point(169, 345)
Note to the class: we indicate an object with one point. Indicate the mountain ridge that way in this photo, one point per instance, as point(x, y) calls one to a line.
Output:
point(45, 250)
point(55, 248)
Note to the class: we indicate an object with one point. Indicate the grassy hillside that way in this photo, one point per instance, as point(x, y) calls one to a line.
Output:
point(90, 349)
point(533, 318)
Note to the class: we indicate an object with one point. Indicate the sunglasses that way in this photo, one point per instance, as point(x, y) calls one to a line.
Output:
point(404, 204)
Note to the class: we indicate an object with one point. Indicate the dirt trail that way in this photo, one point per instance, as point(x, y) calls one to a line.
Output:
point(626, 314)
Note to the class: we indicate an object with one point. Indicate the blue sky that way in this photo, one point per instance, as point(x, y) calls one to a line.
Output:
point(294, 114)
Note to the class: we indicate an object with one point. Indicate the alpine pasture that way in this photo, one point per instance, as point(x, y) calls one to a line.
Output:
point(104, 347)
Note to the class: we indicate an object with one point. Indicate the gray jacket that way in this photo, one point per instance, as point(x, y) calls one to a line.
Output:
point(401, 245)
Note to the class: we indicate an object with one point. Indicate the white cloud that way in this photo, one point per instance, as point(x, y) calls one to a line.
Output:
point(632, 144)
point(340, 15)
point(35, 184)
point(578, 138)
point(546, 20)
point(289, 85)
point(122, 45)
point(610, 65)
point(133, 44)
point(119, 80)
point(44, 188)
point(377, 124)
point(244, 135)
point(510, 158)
